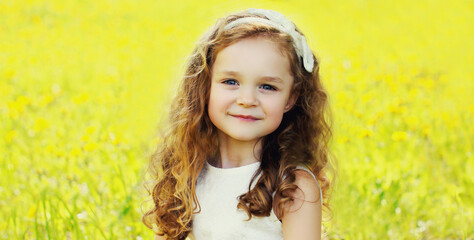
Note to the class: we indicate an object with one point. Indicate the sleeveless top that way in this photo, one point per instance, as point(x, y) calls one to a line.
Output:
point(217, 191)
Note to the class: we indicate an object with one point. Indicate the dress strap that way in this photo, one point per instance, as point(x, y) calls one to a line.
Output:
point(319, 186)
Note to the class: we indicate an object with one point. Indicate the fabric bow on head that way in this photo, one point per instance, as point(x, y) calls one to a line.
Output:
point(280, 22)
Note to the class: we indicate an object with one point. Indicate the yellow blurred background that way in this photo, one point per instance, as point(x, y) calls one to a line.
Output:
point(85, 86)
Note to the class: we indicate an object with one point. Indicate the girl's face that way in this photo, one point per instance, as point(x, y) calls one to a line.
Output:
point(251, 83)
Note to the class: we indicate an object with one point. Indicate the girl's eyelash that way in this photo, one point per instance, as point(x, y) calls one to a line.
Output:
point(233, 82)
point(272, 88)
point(229, 80)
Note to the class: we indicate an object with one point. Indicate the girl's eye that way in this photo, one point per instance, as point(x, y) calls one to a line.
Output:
point(230, 82)
point(268, 87)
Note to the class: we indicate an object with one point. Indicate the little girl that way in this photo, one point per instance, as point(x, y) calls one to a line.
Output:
point(246, 155)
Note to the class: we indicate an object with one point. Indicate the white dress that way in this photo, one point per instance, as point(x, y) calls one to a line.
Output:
point(217, 190)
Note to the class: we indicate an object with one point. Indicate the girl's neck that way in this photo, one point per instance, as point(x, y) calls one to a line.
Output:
point(234, 153)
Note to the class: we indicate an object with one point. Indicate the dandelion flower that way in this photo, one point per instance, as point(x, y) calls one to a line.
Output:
point(399, 136)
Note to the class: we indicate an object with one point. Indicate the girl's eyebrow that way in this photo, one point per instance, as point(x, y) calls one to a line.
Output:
point(236, 74)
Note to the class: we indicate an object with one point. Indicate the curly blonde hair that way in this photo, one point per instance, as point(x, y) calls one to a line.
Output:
point(301, 139)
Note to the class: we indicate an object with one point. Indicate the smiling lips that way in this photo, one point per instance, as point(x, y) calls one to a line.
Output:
point(246, 117)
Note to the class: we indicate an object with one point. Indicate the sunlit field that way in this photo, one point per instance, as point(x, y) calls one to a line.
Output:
point(85, 85)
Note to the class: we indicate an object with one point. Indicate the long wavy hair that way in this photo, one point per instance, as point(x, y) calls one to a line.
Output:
point(302, 138)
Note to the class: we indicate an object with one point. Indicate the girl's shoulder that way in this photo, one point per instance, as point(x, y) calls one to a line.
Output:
point(308, 184)
point(309, 190)
point(300, 218)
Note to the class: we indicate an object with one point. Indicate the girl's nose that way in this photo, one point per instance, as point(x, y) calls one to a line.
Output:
point(247, 98)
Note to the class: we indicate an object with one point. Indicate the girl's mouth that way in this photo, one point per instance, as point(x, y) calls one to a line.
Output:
point(248, 118)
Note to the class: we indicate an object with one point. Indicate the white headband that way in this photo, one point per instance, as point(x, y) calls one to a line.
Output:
point(280, 22)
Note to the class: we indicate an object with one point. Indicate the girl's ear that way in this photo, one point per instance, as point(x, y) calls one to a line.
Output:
point(291, 102)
